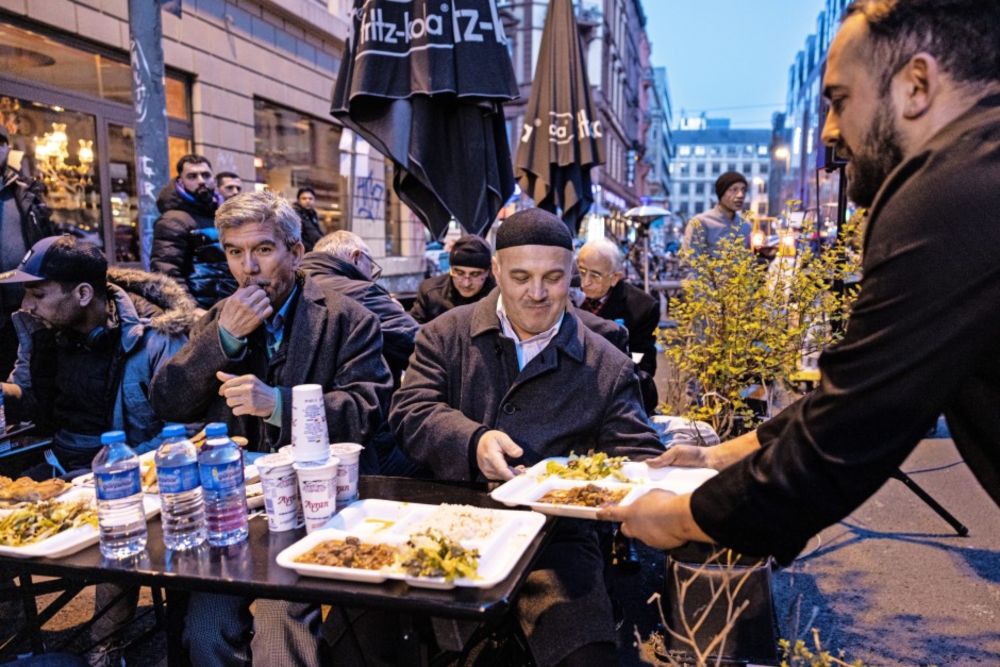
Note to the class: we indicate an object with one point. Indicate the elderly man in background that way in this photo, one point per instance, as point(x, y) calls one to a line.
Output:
point(278, 330)
point(468, 280)
point(343, 262)
point(511, 380)
point(601, 265)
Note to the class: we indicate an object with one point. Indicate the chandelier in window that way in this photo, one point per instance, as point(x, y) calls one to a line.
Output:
point(65, 177)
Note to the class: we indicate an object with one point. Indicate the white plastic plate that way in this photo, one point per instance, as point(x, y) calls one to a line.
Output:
point(376, 521)
point(527, 488)
point(71, 541)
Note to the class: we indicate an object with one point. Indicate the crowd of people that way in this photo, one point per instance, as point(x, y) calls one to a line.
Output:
point(496, 367)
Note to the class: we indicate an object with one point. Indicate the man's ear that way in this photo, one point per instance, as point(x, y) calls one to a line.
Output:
point(616, 277)
point(495, 265)
point(85, 294)
point(916, 85)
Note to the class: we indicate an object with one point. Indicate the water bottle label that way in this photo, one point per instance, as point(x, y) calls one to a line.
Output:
point(178, 479)
point(223, 476)
point(118, 485)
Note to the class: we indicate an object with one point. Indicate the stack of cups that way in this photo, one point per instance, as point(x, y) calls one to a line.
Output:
point(315, 468)
point(281, 492)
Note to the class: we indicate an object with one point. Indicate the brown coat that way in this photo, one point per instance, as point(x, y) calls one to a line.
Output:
point(332, 341)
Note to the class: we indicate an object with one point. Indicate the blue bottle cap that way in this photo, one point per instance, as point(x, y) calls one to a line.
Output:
point(173, 431)
point(620, 321)
point(112, 437)
point(216, 429)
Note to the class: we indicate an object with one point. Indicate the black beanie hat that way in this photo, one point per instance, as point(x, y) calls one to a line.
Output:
point(534, 226)
point(470, 251)
point(728, 180)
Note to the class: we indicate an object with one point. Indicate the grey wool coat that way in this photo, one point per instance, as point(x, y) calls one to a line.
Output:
point(331, 341)
point(579, 393)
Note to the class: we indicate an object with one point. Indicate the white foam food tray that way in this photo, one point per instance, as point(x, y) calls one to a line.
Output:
point(71, 541)
point(525, 489)
point(375, 521)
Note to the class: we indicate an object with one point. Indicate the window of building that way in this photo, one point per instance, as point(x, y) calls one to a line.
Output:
point(699, 189)
point(684, 150)
point(716, 169)
point(68, 107)
point(293, 151)
point(699, 151)
point(763, 167)
point(685, 188)
point(747, 167)
point(762, 149)
point(714, 151)
point(699, 170)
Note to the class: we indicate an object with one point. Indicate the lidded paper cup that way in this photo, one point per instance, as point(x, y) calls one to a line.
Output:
point(349, 454)
point(318, 489)
point(310, 438)
point(281, 492)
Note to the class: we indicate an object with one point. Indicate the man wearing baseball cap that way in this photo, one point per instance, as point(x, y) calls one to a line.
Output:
point(85, 363)
point(723, 220)
point(467, 281)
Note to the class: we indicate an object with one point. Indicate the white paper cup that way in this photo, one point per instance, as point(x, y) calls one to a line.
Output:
point(318, 489)
point(281, 492)
point(310, 438)
point(348, 453)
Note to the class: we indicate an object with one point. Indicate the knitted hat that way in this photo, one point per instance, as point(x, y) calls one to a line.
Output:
point(728, 180)
point(471, 251)
point(534, 226)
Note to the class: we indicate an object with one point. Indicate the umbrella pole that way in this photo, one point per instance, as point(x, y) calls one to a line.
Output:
point(645, 262)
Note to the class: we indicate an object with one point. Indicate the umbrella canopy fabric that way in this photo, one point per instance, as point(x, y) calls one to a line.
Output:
point(647, 211)
point(561, 138)
point(424, 82)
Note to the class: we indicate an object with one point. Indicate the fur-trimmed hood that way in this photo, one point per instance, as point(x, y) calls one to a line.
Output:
point(164, 305)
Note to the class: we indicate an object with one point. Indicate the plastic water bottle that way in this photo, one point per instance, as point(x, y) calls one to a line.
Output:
point(118, 482)
point(221, 466)
point(183, 506)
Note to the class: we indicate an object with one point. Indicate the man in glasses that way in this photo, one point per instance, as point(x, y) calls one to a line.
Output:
point(467, 281)
point(601, 265)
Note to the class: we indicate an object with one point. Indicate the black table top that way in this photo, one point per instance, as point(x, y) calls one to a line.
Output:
point(249, 568)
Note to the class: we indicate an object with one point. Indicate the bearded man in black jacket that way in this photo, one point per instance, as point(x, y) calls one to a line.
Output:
point(914, 92)
point(185, 241)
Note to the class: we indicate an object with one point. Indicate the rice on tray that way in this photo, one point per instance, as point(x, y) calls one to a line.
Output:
point(461, 522)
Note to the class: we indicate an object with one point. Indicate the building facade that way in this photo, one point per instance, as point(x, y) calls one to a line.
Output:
point(798, 150)
point(248, 85)
point(613, 33)
point(702, 155)
point(659, 138)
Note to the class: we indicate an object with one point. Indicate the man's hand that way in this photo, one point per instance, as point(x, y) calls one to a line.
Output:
point(659, 518)
point(716, 457)
point(685, 456)
point(490, 451)
point(245, 310)
point(246, 394)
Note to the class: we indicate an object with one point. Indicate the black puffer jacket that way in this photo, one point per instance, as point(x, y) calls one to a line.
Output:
point(437, 295)
point(186, 248)
point(311, 229)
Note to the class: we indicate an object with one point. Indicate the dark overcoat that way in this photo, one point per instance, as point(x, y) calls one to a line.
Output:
point(579, 393)
point(332, 341)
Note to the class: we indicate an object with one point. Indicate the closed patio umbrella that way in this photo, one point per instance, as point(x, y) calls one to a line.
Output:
point(561, 138)
point(424, 82)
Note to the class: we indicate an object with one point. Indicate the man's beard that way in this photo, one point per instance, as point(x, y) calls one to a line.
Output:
point(875, 159)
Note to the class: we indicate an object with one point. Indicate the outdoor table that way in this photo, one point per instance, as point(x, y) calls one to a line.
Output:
point(249, 568)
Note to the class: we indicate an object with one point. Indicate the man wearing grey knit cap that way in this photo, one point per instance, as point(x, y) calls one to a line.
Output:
point(723, 220)
point(516, 378)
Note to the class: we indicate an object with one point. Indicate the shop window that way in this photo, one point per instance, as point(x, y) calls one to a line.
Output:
point(58, 147)
point(42, 60)
point(293, 150)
